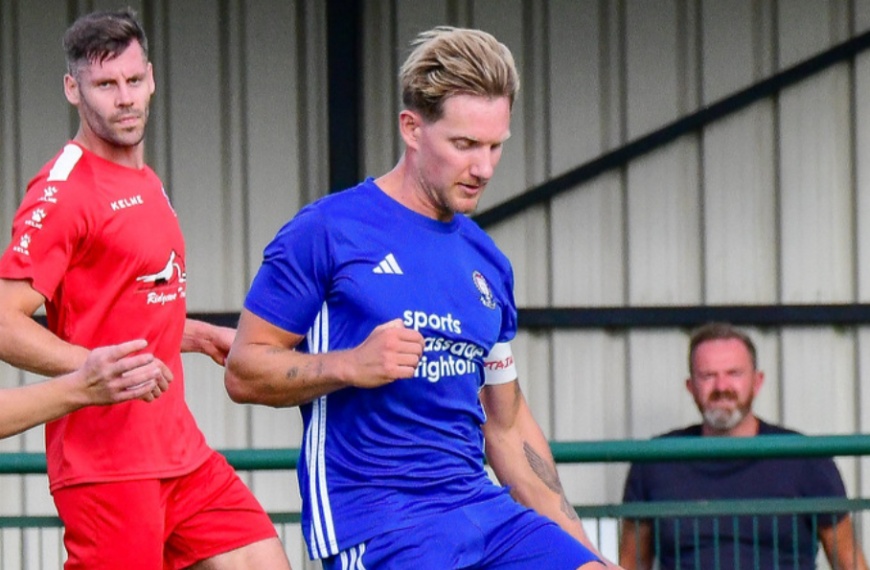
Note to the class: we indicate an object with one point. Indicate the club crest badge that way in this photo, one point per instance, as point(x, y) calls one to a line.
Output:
point(485, 291)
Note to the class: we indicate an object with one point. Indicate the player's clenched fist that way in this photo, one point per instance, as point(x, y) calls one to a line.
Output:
point(113, 374)
point(390, 352)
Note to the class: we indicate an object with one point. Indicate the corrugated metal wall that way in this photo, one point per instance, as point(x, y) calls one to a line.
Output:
point(767, 206)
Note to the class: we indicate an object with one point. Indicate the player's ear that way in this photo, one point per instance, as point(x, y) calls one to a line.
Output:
point(150, 76)
point(410, 124)
point(71, 89)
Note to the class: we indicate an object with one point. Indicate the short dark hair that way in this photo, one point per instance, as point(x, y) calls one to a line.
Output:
point(449, 61)
point(719, 331)
point(98, 36)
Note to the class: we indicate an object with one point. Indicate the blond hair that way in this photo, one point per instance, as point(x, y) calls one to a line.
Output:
point(449, 61)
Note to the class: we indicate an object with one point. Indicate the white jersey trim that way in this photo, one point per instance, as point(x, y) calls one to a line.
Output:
point(64, 164)
point(498, 365)
point(323, 543)
point(351, 559)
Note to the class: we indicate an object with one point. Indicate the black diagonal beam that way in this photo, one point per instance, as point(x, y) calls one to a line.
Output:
point(623, 318)
point(671, 132)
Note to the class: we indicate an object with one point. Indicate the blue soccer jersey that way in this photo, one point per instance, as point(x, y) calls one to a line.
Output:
point(378, 459)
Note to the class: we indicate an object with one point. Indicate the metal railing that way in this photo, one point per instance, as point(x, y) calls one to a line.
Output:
point(34, 542)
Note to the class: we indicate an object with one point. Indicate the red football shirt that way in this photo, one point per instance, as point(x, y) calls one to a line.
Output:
point(102, 243)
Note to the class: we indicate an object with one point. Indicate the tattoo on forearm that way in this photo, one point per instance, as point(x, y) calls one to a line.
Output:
point(546, 472)
point(311, 369)
point(568, 509)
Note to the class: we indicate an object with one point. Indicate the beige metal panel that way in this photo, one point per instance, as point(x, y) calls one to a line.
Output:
point(663, 227)
point(314, 174)
point(411, 18)
point(223, 422)
point(589, 403)
point(819, 375)
point(276, 428)
point(46, 546)
point(739, 209)
point(657, 80)
point(807, 27)
point(37, 499)
point(198, 110)
point(588, 246)
point(525, 241)
point(534, 370)
point(517, 170)
point(158, 141)
point(532, 32)
point(574, 46)
point(234, 68)
point(816, 190)
point(270, 141)
point(662, 188)
point(43, 113)
point(818, 368)
point(388, 30)
point(11, 177)
point(861, 100)
point(735, 54)
point(767, 404)
point(582, 104)
point(381, 144)
point(657, 396)
point(860, 16)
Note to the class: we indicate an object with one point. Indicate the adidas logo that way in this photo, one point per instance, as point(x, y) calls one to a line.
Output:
point(388, 266)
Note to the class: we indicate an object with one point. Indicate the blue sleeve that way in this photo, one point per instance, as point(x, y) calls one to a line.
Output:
point(509, 308)
point(292, 283)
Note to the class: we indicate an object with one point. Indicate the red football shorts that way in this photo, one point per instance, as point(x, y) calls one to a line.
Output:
point(160, 523)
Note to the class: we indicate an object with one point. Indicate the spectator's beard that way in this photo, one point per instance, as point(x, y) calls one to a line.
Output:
point(725, 419)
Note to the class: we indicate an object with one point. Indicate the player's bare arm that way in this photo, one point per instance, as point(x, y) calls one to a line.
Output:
point(264, 367)
point(26, 344)
point(521, 458)
point(635, 545)
point(110, 375)
point(205, 338)
point(840, 546)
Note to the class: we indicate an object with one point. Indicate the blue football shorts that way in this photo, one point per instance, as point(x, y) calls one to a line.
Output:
point(496, 534)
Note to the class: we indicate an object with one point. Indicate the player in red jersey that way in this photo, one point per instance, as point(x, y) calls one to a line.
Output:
point(97, 242)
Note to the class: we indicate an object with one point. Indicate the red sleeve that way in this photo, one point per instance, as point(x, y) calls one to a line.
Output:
point(47, 231)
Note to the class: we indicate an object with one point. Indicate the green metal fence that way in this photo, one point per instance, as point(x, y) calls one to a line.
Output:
point(35, 543)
